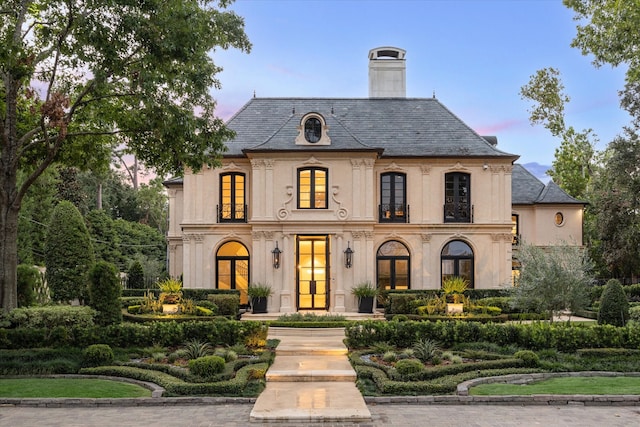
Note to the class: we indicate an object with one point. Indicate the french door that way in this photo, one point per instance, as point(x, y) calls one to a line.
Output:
point(312, 281)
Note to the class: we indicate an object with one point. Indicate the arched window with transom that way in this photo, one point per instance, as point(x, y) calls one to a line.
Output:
point(457, 260)
point(393, 266)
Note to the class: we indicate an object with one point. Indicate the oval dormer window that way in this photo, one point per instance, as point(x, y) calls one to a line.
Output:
point(312, 129)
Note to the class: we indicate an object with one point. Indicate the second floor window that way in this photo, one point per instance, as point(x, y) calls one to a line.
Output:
point(312, 188)
point(393, 194)
point(457, 197)
point(232, 197)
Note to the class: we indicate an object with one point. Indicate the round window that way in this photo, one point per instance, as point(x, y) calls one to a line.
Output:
point(559, 218)
point(312, 130)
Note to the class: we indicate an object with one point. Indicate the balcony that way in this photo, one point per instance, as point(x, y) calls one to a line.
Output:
point(393, 213)
point(231, 213)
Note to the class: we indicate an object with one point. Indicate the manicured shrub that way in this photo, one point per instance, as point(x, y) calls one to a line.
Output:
point(104, 293)
point(97, 355)
point(228, 305)
point(28, 278)
point(528, 357)
point(135, 276)
point(409, 366)
point(68, 254)
point(52, 316)
point(614, 305)
point(206, 367)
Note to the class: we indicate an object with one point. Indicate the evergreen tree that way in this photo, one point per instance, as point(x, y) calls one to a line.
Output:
point(135, 276)
point(68, 254)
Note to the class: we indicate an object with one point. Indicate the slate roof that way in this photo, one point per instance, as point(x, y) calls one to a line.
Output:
point(394, 127)
point(526, 189)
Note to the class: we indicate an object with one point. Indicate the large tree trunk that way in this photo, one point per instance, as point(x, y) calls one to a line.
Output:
point(8, 253)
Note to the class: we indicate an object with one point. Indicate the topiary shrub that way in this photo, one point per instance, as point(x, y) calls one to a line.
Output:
point(28, 278)
point(528, 357)
point(135, 276)
point(68, 254)
point(409, 366)
point(97, 355)
point(206, 367)
point(104, 293)
point(614, 305)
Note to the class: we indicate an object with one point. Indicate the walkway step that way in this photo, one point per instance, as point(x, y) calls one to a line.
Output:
point(311, 368)
point(310, 402)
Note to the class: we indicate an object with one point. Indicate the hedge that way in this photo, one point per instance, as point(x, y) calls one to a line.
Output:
point(219, 332)
point(533, 336)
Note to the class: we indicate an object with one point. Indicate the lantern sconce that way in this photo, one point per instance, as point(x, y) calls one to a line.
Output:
point(348, 256)
point(276, 256)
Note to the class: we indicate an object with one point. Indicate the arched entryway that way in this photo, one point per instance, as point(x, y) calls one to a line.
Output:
point(232, 269)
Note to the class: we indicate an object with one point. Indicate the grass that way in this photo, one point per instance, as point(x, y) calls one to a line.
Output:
point(564, 385)
point(69, 387)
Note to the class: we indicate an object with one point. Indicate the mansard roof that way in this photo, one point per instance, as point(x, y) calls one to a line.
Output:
point(526, 189)
point(392, 127)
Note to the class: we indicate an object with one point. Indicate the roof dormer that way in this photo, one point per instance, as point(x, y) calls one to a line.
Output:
point(313, 130)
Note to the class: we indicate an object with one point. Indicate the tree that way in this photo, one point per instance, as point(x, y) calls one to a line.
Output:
point(135, 276)
point(614, 305)
point(77, 78)
point(104, 293)
point(552, 280)
point(573, 163)
point(616, 204)
point(69, 254)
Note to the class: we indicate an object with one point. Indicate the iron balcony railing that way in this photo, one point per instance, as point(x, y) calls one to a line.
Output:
point(393, 212)
point(230, 212)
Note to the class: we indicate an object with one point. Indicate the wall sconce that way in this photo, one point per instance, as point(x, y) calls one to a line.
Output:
point(276, 256)
point(348, 256)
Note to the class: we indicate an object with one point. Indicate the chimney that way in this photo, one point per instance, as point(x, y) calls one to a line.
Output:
point(387, 73)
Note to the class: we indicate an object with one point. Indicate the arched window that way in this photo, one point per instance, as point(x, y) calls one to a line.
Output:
point(393, 263)
point(457, 260)
point(232, 269)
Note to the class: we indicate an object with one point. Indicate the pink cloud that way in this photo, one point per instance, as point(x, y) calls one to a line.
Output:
point(500, 126)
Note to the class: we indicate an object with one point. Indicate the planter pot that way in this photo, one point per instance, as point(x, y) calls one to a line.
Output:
point(453, 308)
point(259, 305)
point(365, 304)
point(169, 308)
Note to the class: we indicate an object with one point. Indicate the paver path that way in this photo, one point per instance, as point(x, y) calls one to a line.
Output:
point(310, 380)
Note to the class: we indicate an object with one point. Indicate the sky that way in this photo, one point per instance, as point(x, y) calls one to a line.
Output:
point(474, 55)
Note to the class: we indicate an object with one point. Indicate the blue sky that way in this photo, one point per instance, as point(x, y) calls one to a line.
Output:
point(475, 55)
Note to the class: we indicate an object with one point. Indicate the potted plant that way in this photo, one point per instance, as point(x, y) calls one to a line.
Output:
point(366, 293)
point(170, 294)
point(258, 294)
point(453, 288)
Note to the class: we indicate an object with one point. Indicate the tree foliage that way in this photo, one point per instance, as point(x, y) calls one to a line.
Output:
point(78, 78)
point(616, 204)
point(574, 158)
point(552, 280)
point(135, 276)
point(69, 254)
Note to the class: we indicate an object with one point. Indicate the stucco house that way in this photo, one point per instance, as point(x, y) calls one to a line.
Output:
point(317, 195)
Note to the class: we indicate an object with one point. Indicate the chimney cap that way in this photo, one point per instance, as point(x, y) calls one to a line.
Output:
point(387, 52)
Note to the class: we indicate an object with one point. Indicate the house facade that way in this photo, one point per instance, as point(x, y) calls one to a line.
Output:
point(317, 195)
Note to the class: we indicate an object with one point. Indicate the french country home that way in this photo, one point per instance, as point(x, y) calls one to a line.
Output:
point(317, 195)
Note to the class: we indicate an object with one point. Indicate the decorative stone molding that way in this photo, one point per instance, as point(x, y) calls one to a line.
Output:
point(198, 238)
point(426, 237)
point(357, 234)
point(425, 169)
point(458, 167)
point(269, 163)
point(368, 163)
point(355, 163)
point(285, 210)
point(231, 167)
point(394, 166)
point(256, 164)
point(341, 213)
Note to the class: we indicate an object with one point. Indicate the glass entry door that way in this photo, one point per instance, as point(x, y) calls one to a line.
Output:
point(312, 262)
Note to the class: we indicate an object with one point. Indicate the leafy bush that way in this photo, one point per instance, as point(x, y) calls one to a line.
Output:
point(206, 367)
point(614, 305)
point(104, 293)
point(52, 316)
point(409, 366)
point(194, 349)
point(528, 357)
point(97, 355)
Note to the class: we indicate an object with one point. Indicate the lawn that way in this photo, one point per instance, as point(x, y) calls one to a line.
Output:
point(69, 387)
point(564, 385)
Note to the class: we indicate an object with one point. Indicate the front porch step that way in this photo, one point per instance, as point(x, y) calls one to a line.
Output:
point(311, 368)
